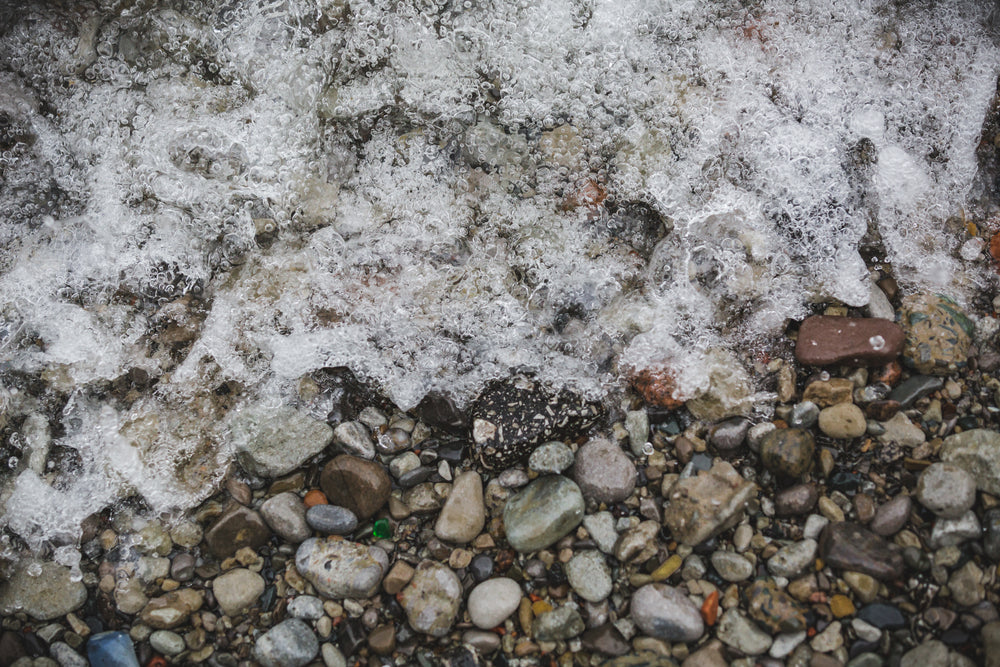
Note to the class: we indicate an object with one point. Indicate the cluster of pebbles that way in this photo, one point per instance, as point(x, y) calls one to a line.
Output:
point(857, 523)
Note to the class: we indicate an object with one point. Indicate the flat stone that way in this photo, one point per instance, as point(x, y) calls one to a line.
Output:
point(641, 659)
point(949, 532)
point(271, 442)
point(891, 516)
point(737, 631)
point(601, 526)
point(946, 489)
point(990, 635)
point(341, 569)
point(290, 643)
point(796, 500)
point(664, 612)
point(432, 598)
point(353, 438)
point(382, 640)
point(237, 528)
point(932, 653)
point(732, 566)
point(706, 504)
point(464, 513)
point(910, 390)
point(285, 514)
point(882, 616)
point(853, 341)
point(559, 624)
point(41, 589)
point(493, 601)
point(843, 421)
point(511, 417)
point(552, 457)
point(938, 334)
point(788, 452)
point(901, 431)
point(543, 513)
point(977, 451)
point(773, 608)
point(603, 472)
point(171, 610)
point(589, 575)
point(237, 590)
point(166, 642)
point(793, 559)
point(728, 436)
point(849, 546)
point(359, 485)
point(66, 656)
point(331, 519)
point(605, 639)
point(825, 393)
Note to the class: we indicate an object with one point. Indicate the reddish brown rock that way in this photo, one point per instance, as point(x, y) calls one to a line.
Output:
point(882, 411)
point(657, 387)
point(848, 546)
point(359, 485)
point(238, 527)
point(861, 341)
point(796, 500)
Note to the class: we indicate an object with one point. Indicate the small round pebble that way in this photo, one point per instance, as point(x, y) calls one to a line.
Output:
point(493, 601)
point(732, 566)
point(843, 421)
point(331, 519)
point(166, 642)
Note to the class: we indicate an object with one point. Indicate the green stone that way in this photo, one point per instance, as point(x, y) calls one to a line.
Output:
point(382, 530)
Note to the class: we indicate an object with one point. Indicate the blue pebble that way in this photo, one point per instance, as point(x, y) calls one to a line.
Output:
point(111, 649)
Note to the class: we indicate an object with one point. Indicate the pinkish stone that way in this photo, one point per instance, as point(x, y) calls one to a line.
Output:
point(857, 341)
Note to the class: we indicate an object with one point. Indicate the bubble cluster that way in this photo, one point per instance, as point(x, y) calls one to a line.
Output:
point(200, 204)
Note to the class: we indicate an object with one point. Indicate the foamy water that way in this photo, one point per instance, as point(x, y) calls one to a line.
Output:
point(241, 196)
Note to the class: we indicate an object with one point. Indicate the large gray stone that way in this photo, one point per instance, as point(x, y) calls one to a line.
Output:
point(664, 612)
point(290, 643)
point(978, 452)
point(341, 569)
point(543, 513)
point(42, 590)
point(275, 441)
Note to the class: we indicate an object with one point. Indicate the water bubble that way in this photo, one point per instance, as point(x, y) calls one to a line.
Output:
point(877, 342)
point(647, 448)
point(34, 569)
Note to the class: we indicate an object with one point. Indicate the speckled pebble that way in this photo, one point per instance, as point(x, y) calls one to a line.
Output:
point(589, 575)
point(551, 457)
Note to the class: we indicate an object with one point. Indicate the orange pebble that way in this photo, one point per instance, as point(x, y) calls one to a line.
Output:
point(156, 661)
point(315, 497)
point(710, 609)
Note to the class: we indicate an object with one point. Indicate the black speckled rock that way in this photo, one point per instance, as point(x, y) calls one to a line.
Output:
point(511, 417)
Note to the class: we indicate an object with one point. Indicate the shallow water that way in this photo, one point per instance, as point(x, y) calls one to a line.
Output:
point(199, 203)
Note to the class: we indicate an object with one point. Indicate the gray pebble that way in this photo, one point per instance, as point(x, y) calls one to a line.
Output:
point(331, 519)
point(291, 643)
point(551, 457)
point(732, 566)
point(306, 607)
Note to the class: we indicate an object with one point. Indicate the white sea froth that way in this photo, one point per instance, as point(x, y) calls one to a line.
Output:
point(381, 186)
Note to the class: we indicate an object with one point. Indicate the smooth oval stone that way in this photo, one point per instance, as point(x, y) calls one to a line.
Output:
point(795, 500)
point(855, 341)
point(727, 436)
point(891, 516)
point(493, 601)
point(663, 612)
point(432, 598)
point(543, 513)
point(882, 616)
point(843, 421)
point(946, 490)
point(788, 452)
point(237, 590)
point(848, 546)
point(359, 485)
point(551, 457)
point(341, 569)
point(286, 515)
point(464, 513)
point(603, 471)
point(732, 566)
point(589, 575)
point(331, 519)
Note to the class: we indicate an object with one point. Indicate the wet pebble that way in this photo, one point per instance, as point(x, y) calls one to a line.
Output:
point(166, 642)
point(111, 649)
point(700, 506)
point(937, 334)
point(773, 608)
point(271, 442)
point(603, 471)
point(793, 559)
point(732, 566)
point(331, 519)
point(843, 421)
point(305, 607)
point(42, 589)
point(353, 438)
point(290, 643)
point(803, 415)
point(978, 452)
point(882, 616)
point(544, 512)
point(825, 340)
point(947, 532)
point(166, 612)
point(285, 514)
point(891, 516)
point(728, 436)
point(237, 528)
point(788, 452)
point(849, 546)
point(666, 613)
point(795, 500)
point(552, 457)
point(361, 486)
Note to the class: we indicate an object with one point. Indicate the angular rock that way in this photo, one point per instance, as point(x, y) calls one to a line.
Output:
point(42, 589)
point(171, 610)
point(559, 624)
point(432, 598)
point(949, 532)
point(605, 639)
point(848, 546)
point(353, 438)
point(359, 485)
point(290, 643)
point(340, 569)
point(901, 431)
point(237, 528)
point(938, 334)
point(464, 513)
point(825, 393)
point(977, 451)
point(730, 391)
point(543, 513)
point(891, 516)
point(737, 631)
point(907, 392)
point(793, 559)
point(603, 471)
point(111, 649)
point(285, 514)
point(775, 609)
point(271, 442)
point(854, 341)
point(704, 505)
point(511, 417)
point(664, 612)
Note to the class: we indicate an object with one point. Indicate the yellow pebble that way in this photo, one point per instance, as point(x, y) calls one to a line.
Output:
point(841, 606)
point(540, 607)
point(668, 567)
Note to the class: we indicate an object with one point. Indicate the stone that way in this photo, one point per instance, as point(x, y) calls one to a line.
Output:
point(637, 427)
point(825, 393)
point(285, 514)
point(891, 516)
point(803, 415)
point(773, 608)
point(552, 457)
point(601, 526)
point(664, 612)
point(938, 334)
point(559, 624)
point(353, 438)
point(843, 421)
point(513, 416)
point(41, 589)
point(432, 598)
point(737, 631)
point(657, 386)
point(166, 642)
point(882, 616)
point(382, 640)
point(966, 585)
point(948, 532)
point(65, 655)
point(909, 391)
point(493, 601)
point(605, 639)
point(641, 659)
point(171, 610)
point(728, 436)
point(331, 519)
point(990, 635)
point(729, 392)
point(464, 513)
point(977, 451)
point(991, 539)
point(732, 566)
point(830, 639)
point(793, 559)
point(901, 431)
point(398, 577)
point(852, 341)
point(706, 504)
point(788, 452)
point(361, 486)
point(946, 489)
point(589, 575)
point(237, 528)
point(849, 546)
point(130, 597)
point(543, 513)
point(603, 472)
point(795, 500)
point(785, 643)
point(111, 649)
point(340, 569)
point(290, 643)
point(932, 653)
point(237, 590)
point(271, 442)
point(306, 607)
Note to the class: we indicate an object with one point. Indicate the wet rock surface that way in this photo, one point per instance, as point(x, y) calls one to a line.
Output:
point(857, 341)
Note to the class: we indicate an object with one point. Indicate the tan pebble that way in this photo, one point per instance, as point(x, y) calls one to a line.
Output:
point(170, 585)
point(906, 538)
point(865, 587)
point(525, 648)
point(484, 541)
point(324, 626)
point(398, 577)
point(78, 626)
point(565, 555)
point(731, 598)
point(826, 462)
point(333, 609)
point(459, 558)
point(108, 539)
point(398, 510)
point(294, 579)
point(830, 509)
point(651, 644)
point(525, 616)
point(107, 583)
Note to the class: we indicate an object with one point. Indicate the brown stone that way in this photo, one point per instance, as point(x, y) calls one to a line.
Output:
point(707, 504)
point(238, 527)
point(882, 411)
point(864, 507)
point(859, 341)
point(606, 640)
point(382, 640)
point(774, 609)
point(398, 577)
point(657, 386)
point(825, 393)
point(849, 546)
point(891, 516)
point(795, 500)
point(359, 485)
point(171, 610)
